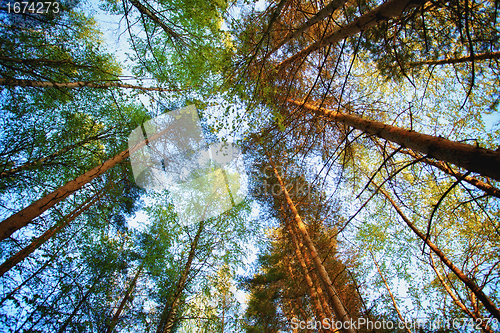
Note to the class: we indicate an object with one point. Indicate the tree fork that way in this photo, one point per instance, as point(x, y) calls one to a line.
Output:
point(483, 161)
point(24, 216)
point(488, 304)
point(338, 307)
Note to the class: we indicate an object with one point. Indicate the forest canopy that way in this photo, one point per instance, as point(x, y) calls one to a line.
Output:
point(250, 166)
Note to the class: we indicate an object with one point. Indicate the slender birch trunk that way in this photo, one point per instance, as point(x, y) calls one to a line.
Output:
point(24, 216)
point(338, 308)
point(390, 293)
point(169, 313)
point(447, 61)
point(455, 299)
point(383, 13)
point(323, 13)
point(470, 283)
point(35, 244)
point(73, 85)
point(475, 159)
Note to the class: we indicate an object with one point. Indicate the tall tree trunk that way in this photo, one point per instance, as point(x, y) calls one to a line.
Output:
point(324, 12)
point(476, 57)
point(24, 216)
point(484, 161)
point(130, 289)
point(169, 313)
point(478, 319)
point(35, 244)
point(48, 262)
point(72, 85)
point(125, 299)
point(382, 13)
point(478, 291)
point(390, 293)
point(302, 251)
point(338, 308)
point(487, 188)
point(318, 307)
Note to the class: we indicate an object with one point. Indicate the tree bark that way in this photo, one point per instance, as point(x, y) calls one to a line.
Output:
point(488, 304)
point(476, 57)
point(72, 85)
point(319, 308)
point(169, 313)
point(155, 18)
point(338, 308)
point(35, 244)
point(324, 12)
point(24, 217)
point(455, 299)
point(125, 299)
point(307, 261)
point(487, 188)
point(475, 159)
point(382, 13)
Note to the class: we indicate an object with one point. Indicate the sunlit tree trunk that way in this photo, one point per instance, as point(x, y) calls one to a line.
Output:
point(383, 13)
point(487, 188)
point(169, 314)
point(35, 244)
point(24, 217)
point(475, 159)
point(470, 283)
point(73, 85)
point(337, 305)
point(318, 307)
point(455, 299)
point(306, 263)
